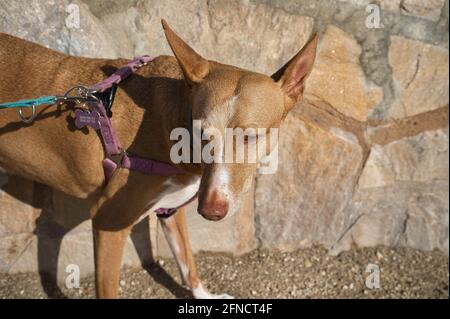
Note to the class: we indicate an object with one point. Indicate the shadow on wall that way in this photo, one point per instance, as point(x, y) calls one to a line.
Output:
point(59, 215)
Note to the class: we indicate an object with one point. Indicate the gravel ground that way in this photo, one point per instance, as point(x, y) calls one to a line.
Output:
point(307, 273)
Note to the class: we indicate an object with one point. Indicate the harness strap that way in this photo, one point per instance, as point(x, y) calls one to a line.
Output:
point(121, 74)
point(139, 164)
point(109, 136)
point(115, 155)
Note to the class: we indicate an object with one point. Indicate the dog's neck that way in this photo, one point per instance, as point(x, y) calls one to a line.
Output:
point(144, 127)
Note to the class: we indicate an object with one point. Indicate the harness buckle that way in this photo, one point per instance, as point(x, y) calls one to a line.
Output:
point(118, 158)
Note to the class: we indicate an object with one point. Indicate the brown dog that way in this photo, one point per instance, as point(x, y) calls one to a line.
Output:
point(164, 95)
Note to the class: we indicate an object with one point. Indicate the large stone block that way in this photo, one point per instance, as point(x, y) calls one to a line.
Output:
point(136, 25)
point(420, 75)
point(50, 24)
point(36, 21)
point(304, 202)
point(426, 9)
point(272, 36)
point(338, 79)
point(423, 158)
point(256, 36)
point(402, 196)
point(406, 214)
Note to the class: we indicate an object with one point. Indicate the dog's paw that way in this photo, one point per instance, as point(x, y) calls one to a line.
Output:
point(201, 293)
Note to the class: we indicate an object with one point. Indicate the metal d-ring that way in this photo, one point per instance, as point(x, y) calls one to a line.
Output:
point(31, 117)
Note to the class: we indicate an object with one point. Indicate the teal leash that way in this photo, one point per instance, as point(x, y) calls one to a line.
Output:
point(31, 103)
point(82, 94)
point(43, 100)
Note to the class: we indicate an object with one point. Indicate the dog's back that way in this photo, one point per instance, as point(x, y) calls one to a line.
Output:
point(28, 70)
point(23, 64)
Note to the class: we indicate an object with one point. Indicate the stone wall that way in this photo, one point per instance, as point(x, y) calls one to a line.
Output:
point(364, 156)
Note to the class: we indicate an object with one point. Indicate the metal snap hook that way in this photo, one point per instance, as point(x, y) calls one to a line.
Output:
point(30, 118)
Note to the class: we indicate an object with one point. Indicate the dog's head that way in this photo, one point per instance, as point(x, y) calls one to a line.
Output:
point(236, 110)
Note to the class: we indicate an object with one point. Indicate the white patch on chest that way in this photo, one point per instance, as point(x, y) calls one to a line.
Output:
point(174, 195)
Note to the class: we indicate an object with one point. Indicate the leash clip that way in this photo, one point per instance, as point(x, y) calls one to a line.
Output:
point(29, 119)
point(80, 94)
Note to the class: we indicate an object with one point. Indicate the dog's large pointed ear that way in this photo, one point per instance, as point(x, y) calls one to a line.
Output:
point(194, 67)
point(293, 74)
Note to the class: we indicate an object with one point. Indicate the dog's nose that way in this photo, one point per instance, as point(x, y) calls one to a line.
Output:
point(214, 206)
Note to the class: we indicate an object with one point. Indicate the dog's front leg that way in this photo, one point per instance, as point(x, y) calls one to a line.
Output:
point(175, 231)
point(108, 250)
point(113, 216)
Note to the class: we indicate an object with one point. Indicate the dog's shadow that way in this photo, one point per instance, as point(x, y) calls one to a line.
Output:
point(50, 234)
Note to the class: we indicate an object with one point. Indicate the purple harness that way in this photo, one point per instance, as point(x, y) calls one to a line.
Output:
point(115, 156)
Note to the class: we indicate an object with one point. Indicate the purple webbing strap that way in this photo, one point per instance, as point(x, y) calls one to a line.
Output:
point(139, 164)
point(107, 131)
point(111, 142)
point(109, 167)
point(148, 166)
point(121, 74)
point(109, 136)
